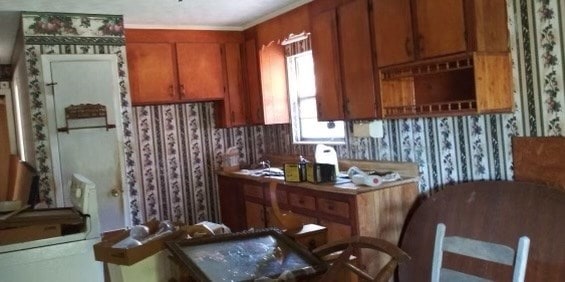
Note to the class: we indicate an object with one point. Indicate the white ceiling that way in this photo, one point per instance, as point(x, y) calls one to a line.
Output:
point(188, 14)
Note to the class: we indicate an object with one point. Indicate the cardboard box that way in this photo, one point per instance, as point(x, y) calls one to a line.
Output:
point(29, 233)
point(104, 252)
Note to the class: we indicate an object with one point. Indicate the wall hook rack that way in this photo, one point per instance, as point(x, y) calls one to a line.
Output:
point(85, 111)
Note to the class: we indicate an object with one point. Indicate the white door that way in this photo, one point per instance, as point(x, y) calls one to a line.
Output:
point(93, 150)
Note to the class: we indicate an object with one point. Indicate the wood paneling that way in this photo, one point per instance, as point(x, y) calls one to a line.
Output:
point(173, 36)
point(540, 160)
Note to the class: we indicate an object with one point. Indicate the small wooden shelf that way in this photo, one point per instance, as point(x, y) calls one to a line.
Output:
point(455, 107)
point(463, 84)
point(85, 111)
point(452, 63)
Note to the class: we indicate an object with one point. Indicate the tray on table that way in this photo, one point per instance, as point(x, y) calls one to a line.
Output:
point(245, 256)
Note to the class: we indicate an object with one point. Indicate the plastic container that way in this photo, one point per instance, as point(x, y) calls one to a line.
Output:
point(327, 155)
point(231, 159)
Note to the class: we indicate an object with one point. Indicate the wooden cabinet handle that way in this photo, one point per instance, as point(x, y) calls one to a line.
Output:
point(407, 46)
point(301, 201)
point(421, 43)
point(182, 93)
point(171, 91)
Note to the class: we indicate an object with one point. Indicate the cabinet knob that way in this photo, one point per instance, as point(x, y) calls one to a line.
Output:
point(408, 47)
point(421, 43)
point(171, 91)
point(182, 93)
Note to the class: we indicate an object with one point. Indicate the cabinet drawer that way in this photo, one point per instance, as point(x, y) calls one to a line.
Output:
point(313, 241)
point(254, 191)
point(302, 201)
point(332, 207)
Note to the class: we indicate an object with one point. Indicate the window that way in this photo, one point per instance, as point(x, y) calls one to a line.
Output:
point(302, 92)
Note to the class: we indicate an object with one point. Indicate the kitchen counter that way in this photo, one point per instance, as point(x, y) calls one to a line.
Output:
point(344, 209)
point(342, 187)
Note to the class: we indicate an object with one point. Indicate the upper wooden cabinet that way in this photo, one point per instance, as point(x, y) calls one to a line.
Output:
point(200, 71)
point(173, 66)
point(394, 41)
point(343, 60)
point(152, 73)
point(255, 98)
point(266, 66)
point(232, 111)
point(440, 27)
point(408, 30)
point(456, 61)
point(274, 84)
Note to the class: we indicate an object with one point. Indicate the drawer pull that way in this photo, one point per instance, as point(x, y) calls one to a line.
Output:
point(331, 207)
point(301, 201)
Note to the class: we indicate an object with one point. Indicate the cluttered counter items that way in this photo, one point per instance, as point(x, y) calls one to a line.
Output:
point(340, 186)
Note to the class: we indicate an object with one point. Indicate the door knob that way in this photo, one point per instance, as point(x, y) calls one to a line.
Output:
point(116, 192)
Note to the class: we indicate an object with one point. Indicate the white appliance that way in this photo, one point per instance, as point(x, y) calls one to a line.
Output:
point(64, 258)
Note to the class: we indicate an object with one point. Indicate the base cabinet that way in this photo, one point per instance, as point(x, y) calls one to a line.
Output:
point(378, 213)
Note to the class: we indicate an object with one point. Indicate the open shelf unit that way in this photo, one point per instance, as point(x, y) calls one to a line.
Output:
point(462, 84)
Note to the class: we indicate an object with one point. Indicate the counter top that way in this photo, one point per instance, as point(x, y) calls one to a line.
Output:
point(344, 188)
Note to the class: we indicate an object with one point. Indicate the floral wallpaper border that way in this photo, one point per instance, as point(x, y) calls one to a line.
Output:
point(37, 102)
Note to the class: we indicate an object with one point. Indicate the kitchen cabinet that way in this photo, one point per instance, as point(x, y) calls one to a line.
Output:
point(152, 74)
point(394, 41)
point(272, 63)
point(178, 66)
point(343, 60)
point(255, 104)
point(266, 66)
point(232, 110)
point(181, 72)
point(455, 62)
point(377, 213)
point(200, 71)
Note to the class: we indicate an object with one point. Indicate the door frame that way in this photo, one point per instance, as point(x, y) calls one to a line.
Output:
point(52, 126)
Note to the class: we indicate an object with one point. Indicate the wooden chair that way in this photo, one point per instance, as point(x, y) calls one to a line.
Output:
point(339, 254)
point(287, 221)
point(477, 249)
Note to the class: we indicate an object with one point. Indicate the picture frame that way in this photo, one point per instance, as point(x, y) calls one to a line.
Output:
point(246, 256)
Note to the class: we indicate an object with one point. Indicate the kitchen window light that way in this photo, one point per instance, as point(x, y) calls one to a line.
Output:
point(306, 129)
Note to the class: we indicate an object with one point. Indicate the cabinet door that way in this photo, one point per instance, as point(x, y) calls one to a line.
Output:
point(151, 73)
point(232, 111)
point(325, 52)
point(200, 71)
point(336, 231)
point(255, 103)
point(255, 215)
point(356, 60)
point(441, 27)
point(231, 203)
point(392, 21)
point(274, 87)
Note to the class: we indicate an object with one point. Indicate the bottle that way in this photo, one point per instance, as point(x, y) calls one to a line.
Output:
point(302, 168)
